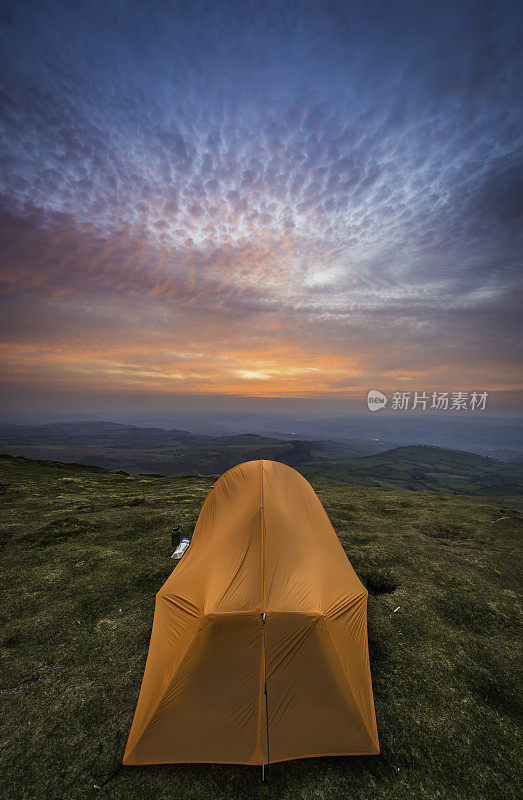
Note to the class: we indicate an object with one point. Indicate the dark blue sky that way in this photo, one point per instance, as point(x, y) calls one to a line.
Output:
point(285, 199)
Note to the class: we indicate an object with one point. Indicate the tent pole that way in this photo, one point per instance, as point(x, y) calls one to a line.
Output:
point(264, 616)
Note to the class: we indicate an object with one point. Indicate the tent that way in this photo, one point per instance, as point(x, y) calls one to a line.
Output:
point(259, 647)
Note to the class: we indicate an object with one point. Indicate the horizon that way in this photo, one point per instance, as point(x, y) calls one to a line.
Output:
point(284, 409)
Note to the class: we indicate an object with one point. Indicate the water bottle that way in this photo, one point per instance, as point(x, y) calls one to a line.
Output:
point(182, 547)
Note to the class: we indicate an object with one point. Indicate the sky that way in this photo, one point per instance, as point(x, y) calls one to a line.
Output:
point(259, 200)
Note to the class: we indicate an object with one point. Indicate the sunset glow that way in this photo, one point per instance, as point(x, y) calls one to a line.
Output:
point(272, 201)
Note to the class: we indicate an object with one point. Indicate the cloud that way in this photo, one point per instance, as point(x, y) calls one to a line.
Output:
point(337, 188)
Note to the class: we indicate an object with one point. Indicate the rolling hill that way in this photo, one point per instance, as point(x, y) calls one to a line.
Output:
point(424, 467)
point(169, 452)
point(177, 452)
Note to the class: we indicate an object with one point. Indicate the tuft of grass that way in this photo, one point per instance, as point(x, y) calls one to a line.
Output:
point(379, 583)
point(77, 547)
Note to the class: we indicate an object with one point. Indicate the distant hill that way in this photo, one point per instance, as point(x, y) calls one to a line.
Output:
point(412, 467)
point(57, 433)
point(169, 452)
point(137, 450)
point(424, 467)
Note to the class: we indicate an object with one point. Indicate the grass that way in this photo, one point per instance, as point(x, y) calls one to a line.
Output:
point(80, 543)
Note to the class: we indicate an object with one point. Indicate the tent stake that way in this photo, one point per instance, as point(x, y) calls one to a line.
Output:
point(387, 763)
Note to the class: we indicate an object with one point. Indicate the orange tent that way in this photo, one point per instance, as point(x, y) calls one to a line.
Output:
point(259, 648)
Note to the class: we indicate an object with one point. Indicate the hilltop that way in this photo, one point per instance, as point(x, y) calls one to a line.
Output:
point(424, 467)
point(84, 552)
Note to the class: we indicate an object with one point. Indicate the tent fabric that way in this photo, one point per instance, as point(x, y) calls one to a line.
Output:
point(259, 648)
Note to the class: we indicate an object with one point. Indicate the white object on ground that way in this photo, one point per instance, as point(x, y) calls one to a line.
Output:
point(182, 547)
point(396, 609)
point(492, 521)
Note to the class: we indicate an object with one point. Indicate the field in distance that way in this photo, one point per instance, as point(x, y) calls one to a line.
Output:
point(432, 468)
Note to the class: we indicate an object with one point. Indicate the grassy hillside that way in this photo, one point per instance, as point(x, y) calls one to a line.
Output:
point(178, 452)
point(79, 544)
point(423, 467)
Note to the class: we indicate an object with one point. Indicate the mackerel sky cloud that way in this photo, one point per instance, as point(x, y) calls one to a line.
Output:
point(284, 199)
